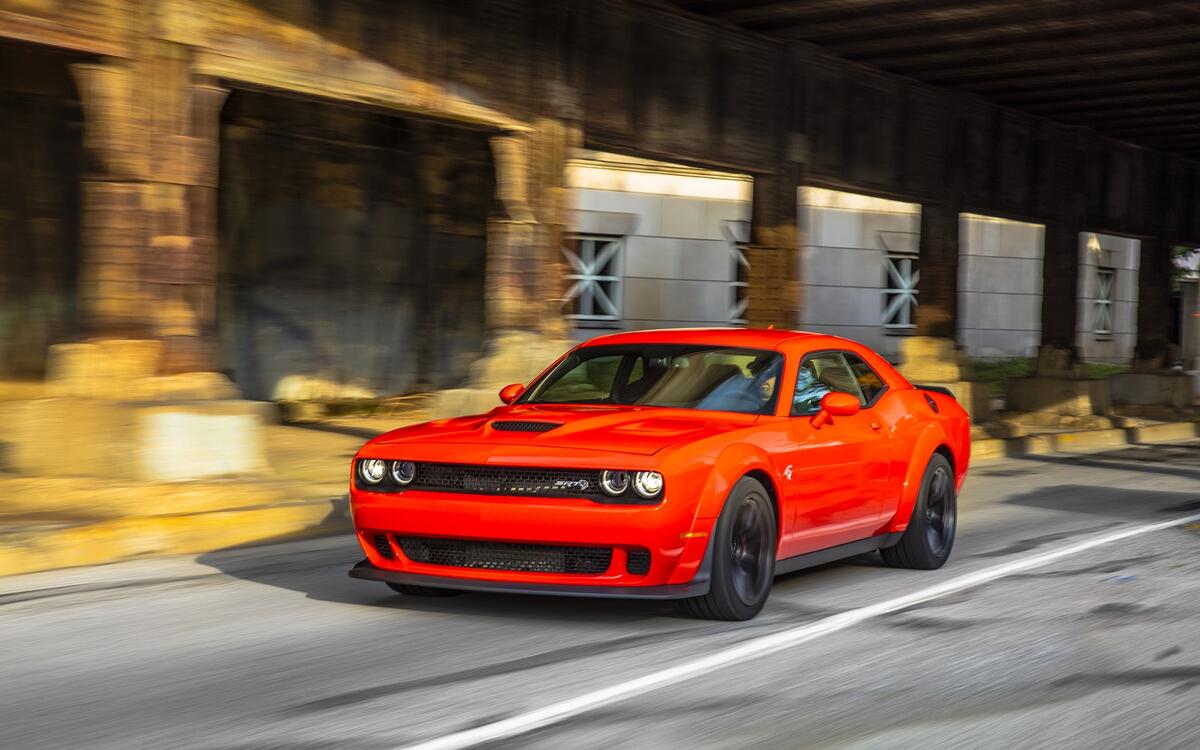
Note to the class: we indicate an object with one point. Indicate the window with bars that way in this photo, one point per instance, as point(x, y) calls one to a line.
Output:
point(900, 279)
point(1102, 305)
point(594, 273)
point(739, 287)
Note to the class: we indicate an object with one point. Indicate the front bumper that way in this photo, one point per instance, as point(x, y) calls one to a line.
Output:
point(698, 586)
point(677, 542)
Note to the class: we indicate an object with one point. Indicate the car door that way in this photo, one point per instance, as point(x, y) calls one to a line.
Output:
point(833, 474)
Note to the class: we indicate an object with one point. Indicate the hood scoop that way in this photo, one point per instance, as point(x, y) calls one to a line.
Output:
point(515, 426)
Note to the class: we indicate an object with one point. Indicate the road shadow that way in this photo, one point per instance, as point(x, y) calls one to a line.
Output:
point(1115, 503)
point(318, 569)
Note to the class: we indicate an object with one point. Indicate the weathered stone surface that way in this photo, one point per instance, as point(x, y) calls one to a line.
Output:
point(1174, 389)
point(929, 359)
point(1073, 397)
point(145, 441)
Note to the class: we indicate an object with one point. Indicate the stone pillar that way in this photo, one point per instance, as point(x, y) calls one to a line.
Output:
point(182, 272)
point(774, 250)
point(1153, 311)
point(113, 228)
point(524, 287)
point(937, 308)
point(148, 274)
point(1060, 299)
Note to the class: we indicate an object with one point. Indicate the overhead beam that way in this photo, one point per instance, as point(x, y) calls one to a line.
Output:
point(1050, 79)
point(1149, 40)
point(984, 15)
point(1099, 90)
point(962, 77)
point(1018, 34)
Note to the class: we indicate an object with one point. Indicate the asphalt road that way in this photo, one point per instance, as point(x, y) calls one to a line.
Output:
point(274, 647)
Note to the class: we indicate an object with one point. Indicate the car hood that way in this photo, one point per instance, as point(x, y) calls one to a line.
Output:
point(623, 429)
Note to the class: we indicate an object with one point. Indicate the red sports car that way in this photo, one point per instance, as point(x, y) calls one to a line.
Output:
point(682, 464)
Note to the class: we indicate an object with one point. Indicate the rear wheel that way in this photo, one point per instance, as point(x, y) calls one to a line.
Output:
point(927, 541)
point(743, 562)
point(409, 589)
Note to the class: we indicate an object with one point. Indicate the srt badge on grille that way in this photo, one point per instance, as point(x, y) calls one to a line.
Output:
point(571, 484)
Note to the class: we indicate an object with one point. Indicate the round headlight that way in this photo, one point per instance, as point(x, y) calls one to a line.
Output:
point(614, 482)
point(403, 472)
point(372, 470)
point(648, 483)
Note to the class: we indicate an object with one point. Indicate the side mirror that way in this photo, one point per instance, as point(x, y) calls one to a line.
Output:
point(510, 393)
point(836, 404)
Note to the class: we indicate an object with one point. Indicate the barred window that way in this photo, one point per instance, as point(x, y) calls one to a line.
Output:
point(900, 279)
point(1102, 305)
point(594, 272)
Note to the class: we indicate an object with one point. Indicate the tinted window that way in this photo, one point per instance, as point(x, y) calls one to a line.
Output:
point(869, 383)
point(820, 374)
point(677, 376)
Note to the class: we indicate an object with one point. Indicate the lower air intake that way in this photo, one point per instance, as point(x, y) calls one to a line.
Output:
point(526, 558)
point(637, 561)
point(383, 547)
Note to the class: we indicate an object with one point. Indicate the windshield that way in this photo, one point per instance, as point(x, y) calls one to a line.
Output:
point(678, 376)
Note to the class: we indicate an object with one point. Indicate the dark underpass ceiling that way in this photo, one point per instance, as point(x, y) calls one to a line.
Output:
point(1126, 68)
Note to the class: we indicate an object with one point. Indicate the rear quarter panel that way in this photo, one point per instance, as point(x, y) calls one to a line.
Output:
point(919, 431)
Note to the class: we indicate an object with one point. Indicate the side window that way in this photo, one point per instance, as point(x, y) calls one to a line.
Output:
point(820, 374)
point(869, 383)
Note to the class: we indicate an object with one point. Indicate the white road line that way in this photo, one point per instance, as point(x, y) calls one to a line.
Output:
point(763, 645)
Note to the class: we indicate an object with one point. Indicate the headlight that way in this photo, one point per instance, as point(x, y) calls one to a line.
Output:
point(614, 482)
point(648, 483)
point(403, 472)
point(371, 470)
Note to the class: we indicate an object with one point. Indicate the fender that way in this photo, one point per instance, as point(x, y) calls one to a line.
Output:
point(932, 435)
point(732, 464)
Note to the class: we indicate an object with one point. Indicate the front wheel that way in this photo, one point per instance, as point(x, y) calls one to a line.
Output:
point(743, 550)
point(927, 541)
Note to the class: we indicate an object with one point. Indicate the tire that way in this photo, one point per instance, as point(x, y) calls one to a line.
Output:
point(929, 538)
point(743, 550)
point(409, 589)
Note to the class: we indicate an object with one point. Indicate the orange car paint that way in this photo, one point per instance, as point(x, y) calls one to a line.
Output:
point(835, 480)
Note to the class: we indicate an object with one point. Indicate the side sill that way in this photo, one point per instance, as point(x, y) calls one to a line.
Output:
point(840, 552)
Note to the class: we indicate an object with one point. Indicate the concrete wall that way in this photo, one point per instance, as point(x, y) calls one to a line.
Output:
point(847, 238)
point(679, 227)
point(999, 286)
point(1123, 255)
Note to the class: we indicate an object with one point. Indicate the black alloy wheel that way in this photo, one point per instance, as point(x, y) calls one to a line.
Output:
point(743, 556)
point(927, 541)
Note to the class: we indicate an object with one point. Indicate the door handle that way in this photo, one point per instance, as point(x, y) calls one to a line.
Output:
point(875, 425)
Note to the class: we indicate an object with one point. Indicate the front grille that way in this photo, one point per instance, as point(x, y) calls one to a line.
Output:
point(528, 558)
point(525, 426)
point(479, 479)
point(508, 480)
point(638, 561)
point(383, 547)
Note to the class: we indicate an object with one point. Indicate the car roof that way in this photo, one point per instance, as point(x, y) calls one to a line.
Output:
point(754, 338)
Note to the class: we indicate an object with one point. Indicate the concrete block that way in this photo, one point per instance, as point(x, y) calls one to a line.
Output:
point(141, 441)
point(682, 217)
point(652, 257)
point(1152, 389)
point(1073, 397)
point(1166, 433)
point(927, 359)
point(1087, 440)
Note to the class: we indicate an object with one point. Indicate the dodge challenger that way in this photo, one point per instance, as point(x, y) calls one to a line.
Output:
point(693, 465)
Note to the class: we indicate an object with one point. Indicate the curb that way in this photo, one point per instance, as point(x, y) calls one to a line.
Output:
point(1082, 441)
